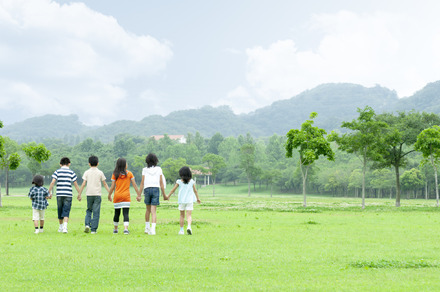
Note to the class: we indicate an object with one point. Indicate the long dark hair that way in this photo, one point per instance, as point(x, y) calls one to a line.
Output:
point(121, 164)
point(185, 174)
point(151, 160)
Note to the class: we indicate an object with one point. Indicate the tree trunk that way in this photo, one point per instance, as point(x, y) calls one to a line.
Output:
point(426, 190)
point(304, 175)
point(1, 195)
point(213, 187)
point(249, 187)
point(397, 186)
point(271, 190)
point(7, 181)
point(364, 170)
point(436, 185)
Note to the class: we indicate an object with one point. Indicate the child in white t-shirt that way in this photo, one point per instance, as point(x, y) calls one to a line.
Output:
point(187, 196)
point(152, 183)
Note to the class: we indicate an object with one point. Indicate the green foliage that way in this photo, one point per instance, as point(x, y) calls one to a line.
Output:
point(394, 264)
point(37, 155)
point(402, 134)
point(412, 179)
point(428, 143)
point(171, 167)
point(311, 144)
point(215, 163)
point(363, 139)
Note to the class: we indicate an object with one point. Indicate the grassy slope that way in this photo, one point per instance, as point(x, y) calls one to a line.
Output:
point(239, 243)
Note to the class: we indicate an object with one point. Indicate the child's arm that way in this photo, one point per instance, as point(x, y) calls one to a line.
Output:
point(141, 187)
point(110, 191)
point(105, 185)
point(78, 190)
point(133, 182)
point(162, 188)
point(195, 192)
point(172, 191)
point(81, 189)
point(51, 187)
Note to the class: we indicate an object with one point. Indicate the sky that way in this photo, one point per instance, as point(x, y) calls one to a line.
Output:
point(110, 60)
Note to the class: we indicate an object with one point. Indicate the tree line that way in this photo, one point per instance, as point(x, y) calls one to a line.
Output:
point(387, 155)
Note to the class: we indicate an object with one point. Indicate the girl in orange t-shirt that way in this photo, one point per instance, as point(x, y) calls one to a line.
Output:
point(121, 179)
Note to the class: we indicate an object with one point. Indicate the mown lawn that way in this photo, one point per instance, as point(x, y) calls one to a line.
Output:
point(239, 243)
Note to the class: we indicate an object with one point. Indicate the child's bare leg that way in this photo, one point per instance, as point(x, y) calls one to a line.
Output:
point(147, 213)
point(189, 217)
point(182, 218)
point(41, 224)
point(35, 223)
point(153, 213)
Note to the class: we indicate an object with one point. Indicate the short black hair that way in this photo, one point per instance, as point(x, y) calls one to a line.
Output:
point(93, 160)
point(65, 161)
point(38, 180)
point(151, 160)
point(185, 174)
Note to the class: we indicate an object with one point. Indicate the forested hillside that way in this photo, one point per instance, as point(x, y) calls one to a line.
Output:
point(334, 103)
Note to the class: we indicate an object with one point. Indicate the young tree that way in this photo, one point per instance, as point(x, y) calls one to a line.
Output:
point(428, 143)
point(215, 163)
point(37, 155)
point(311, 144)
point(401, 135)
point(10, 159)
point(247, 162)
point(363, 139)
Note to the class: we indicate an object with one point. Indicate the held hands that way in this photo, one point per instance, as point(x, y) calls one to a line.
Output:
point(110, 198)
point(138, 198)
point(79, 198)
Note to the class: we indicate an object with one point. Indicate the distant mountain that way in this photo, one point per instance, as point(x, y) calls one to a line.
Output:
point(48, 126)
point(334, 103)
point(426, 99)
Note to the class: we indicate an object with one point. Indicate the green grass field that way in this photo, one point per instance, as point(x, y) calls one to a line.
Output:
point(239, 243)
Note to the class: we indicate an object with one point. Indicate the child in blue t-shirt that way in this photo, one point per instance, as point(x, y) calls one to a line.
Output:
point(39, 195)
point(187, 196)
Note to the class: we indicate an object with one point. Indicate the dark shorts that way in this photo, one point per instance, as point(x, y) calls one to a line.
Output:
point(64, 206)
point(151, 196)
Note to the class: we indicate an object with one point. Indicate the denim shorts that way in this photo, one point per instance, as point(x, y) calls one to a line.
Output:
point(151, 196)
point(64, 206)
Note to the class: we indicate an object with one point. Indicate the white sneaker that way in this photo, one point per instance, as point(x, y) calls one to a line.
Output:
point(41, 230)
point(93, 232)
point(152, 232)
point(60, 229)
point(147, 230)
point(64, 229)
point(36, 231)
point(181, 232)
point(87, 229)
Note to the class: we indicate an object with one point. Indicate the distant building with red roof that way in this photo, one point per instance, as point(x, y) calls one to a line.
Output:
point(179, 138)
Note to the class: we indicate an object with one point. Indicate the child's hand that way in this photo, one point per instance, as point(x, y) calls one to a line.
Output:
point(79, 198)
point(138, 198)
point(50, 197)
point(110, 198)
point(166, 198)
point(198, 201)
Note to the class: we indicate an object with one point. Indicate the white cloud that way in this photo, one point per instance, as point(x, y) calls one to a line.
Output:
point(396, 50)
point(239, 99)
point(71, 59)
